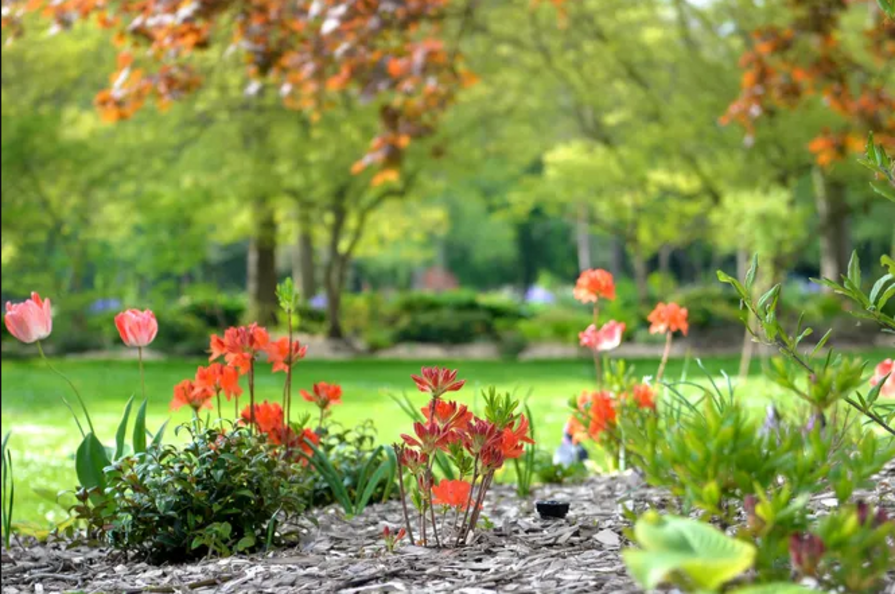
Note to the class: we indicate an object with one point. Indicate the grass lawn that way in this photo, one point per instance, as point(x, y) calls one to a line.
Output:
point(45, 437)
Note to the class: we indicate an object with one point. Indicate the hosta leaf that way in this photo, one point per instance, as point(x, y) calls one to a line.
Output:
point(775, 588)
point(671, 544)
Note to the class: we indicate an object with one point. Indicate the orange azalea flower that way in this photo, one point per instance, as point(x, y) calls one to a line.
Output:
point(452, 493)
point(325, 395)
point(218, 378)
point(885, 368)
point(449, 414)
point(644, 396)
point(268, 417)
point(437, 381)
point(599, 411)
point(480, 434)
point(668, 318)
point(240, 346)
point(279, 356)
point(512, 441)
point(594, 284)
point(186, 393)
point(491, 458)
point(429, 438)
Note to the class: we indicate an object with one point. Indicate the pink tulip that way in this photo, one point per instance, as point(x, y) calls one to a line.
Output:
point(885, 368)
point(605, 339)
point(31, 320)
point(137, 328)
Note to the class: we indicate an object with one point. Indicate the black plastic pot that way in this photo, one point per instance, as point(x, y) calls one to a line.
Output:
point(552, 509)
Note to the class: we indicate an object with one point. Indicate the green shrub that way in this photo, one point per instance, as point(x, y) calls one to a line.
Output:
point(555, 324)
point(709, 307)
point(218, 494)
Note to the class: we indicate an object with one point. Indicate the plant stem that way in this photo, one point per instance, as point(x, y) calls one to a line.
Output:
point(480, 500)
point(475, 475)
point(597, 368)
point(287, 397)
point(252, 395)
point(72, 386)
point(142, 371)
point(665, 354)
point(220, 411)
point(403, 493)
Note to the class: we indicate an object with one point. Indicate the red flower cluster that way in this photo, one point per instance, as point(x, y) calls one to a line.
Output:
point(598, 410)
point(240, 346)
point(270, 421)
point(219, 379)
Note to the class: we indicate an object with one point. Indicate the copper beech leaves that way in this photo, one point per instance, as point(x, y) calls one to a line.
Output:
point(312, 51)
point(807, 59)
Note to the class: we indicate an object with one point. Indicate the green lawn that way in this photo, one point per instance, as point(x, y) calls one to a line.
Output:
point(44, 436)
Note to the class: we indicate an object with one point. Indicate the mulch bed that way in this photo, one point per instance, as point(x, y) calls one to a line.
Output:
point(521, 553)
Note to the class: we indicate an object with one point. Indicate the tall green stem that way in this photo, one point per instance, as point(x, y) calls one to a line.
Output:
point(665, 354)
point(74, 389)
point(142, 372)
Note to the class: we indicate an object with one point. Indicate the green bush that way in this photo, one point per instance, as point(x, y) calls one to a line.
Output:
point(709, 307)
point(222, 492)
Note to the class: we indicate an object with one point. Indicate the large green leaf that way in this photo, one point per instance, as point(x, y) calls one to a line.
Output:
point(140, 428)
point(775, 588)
point(121, 434)
point(670, 544)
point(90, 460)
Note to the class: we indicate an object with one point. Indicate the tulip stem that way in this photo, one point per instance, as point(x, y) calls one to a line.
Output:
point(252, 395)
point(142, 371)
point(74, 389)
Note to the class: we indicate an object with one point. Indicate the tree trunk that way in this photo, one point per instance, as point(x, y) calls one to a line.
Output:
point(617, 264)
point(303, 265)
point(833, 226)
point(665, 260)
point(582, 238)
point(640, 275)
point(334, 284)
point(262, 266)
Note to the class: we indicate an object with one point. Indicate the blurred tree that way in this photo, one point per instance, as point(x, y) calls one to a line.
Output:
point(833, 56)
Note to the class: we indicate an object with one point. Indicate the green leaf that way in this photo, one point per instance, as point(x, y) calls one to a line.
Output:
point(775, 588)
point(122, 429)
point(854, 270)
point(90, 460)
point(245, 543)
point(750, 274)
point(159, 435)
point(707, 556)
point(139, 439)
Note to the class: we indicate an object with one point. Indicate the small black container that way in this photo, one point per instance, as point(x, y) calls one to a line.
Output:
point(552, 509)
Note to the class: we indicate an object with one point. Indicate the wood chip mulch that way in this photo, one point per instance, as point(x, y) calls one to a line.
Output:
point(521, 553)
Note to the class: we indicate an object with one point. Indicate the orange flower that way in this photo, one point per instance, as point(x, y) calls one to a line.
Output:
point(240, 346)
point(599, 411)
point(512, 441)
point(219, 378)
point(437, 381)
point(325, 395)
point(644, 396)
point(594, 284)
point(279, 356)
point(452, 493)
point(668, 318)
point(186, 393)
point(449, 414)
point(268, 417)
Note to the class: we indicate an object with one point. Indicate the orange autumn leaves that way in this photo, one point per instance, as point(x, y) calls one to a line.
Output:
point(806, 61)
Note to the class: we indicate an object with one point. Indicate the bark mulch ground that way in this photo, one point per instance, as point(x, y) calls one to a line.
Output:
point(521, 553)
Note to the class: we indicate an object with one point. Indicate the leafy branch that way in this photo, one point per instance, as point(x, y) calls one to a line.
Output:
point(876, 159)
point(837, 378)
